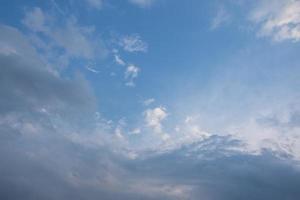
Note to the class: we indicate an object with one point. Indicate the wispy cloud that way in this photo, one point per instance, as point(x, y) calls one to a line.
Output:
point(119, 60)
point(278, 19)
point(147, 102)
point(221, 17)
point(77, 41)
point(91, 69)
point(133, 43)
point(131, 73)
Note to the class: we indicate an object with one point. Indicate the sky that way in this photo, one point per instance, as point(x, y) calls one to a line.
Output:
point(149, 99)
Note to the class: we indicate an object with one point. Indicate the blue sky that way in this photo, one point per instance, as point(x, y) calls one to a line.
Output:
point(100, 98)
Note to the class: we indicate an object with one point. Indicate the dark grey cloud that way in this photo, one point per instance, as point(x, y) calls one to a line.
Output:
point(27, 83)
point(25, 86)
point(39, 110)
point(219, 175)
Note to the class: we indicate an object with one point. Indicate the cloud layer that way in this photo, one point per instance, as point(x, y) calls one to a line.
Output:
point(55, 143)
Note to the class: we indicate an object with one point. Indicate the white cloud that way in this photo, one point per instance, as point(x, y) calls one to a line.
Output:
point(119, 60)
point(147, 102)
point(91, 69)
point(192, 131)
point(142, 3)
point(273, 131)
point(185, 132)
point(154, 117)
point(133, 43)
point(278, 19)
point(130, 74)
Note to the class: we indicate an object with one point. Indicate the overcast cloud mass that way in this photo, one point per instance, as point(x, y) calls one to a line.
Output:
point(150, 99)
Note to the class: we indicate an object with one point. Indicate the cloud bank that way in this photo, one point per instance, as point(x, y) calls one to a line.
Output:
point(55, 144)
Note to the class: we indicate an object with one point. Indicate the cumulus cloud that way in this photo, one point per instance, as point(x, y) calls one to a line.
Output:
point(278, 19)
point(133, 43)
point(154, 118)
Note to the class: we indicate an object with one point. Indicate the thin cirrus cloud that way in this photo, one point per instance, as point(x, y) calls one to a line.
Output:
point(119, 60)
